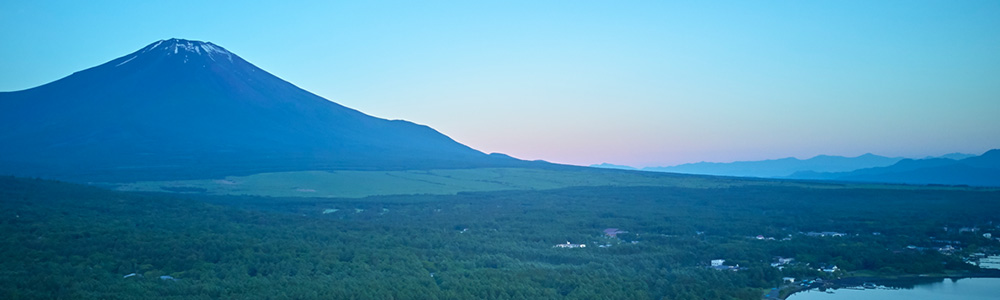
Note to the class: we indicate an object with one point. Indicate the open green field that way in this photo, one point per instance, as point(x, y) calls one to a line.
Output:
point(357, 184)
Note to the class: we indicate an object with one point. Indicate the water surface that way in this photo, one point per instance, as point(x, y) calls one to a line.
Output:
point(968, 288)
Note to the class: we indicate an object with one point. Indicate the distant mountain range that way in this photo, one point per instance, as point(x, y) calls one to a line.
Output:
point(781, 167)
point(983, 170)
point(188, 109)
point(613, 166)
point(954, 156)
point(949, 169)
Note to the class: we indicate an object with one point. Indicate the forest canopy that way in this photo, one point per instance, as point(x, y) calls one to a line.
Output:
point(65, 241)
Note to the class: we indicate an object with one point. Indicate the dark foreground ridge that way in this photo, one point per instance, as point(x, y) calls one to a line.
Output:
point(189, 109)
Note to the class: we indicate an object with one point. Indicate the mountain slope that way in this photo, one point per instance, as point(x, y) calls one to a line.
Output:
point(190, 109)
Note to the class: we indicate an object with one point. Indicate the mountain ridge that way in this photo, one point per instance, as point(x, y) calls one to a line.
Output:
point(947, 169)
point(779, 167)
point(982, 170)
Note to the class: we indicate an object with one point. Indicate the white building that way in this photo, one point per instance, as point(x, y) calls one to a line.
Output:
point(570, 245)
point(718, 262)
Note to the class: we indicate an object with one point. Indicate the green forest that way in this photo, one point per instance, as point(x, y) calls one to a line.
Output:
point(69, 241)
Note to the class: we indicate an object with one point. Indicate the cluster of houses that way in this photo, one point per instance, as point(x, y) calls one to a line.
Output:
point(990, 262)
point(987, 235)
point(825, 234)
point(570, 245)
point(780, 262)
point(828, 268)
point(719, 264)
point(611, 233)
point(761, 237)
point(807, 282)
point(966, 229)
point(983, 261)
point(947, 249)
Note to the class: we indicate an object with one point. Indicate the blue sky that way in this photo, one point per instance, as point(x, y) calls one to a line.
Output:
point(642, 83)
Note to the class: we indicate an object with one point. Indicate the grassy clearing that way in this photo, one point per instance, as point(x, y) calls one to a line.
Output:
point(356, 184)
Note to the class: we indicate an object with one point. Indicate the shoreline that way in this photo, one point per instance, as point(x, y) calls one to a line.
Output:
point(896, 281)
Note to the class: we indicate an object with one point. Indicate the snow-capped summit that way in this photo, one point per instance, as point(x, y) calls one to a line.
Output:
point(187, 47)
point(184, 50)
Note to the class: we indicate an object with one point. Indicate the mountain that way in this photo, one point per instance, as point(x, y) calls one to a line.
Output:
point(990, 159)
point(612, 166)
point(954, 156)
point(983, 170)
point(189, 109)
point(781, 167)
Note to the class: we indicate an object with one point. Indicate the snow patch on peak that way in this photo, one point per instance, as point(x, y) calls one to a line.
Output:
point(211, 49)
point(153, 46)
point(126, 61)
point(177, 46)
point(187, 46)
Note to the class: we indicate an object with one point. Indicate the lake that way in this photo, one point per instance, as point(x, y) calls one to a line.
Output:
point(967, 288)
